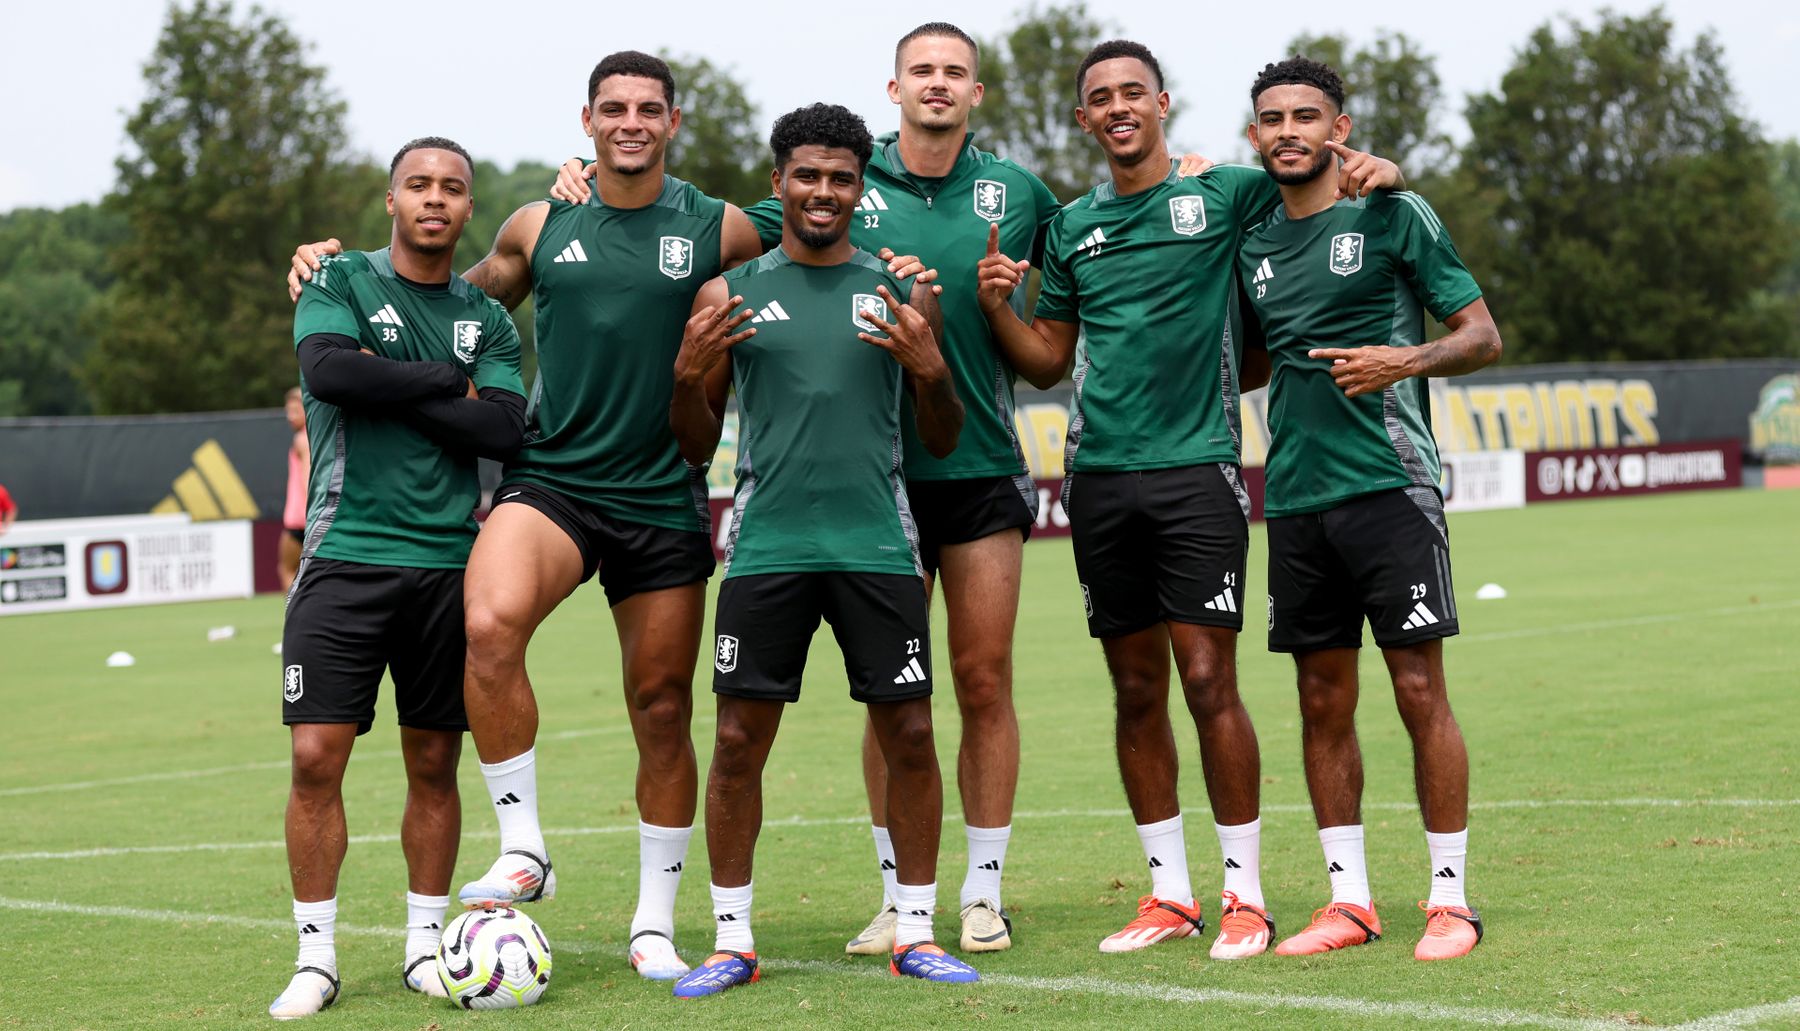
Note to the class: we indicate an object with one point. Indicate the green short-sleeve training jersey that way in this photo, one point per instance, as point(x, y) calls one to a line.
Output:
point(819, 485)
point(944, 222)
point(1149, 279)
point(613, 288)
point(1358, 274)
point(382, 492)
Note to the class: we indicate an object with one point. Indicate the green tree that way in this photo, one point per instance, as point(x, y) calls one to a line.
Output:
point(718, 147)
point(1392, 93)
point(237, 152)
point(53, 270)
point(1635, 213)
point(1028, 111)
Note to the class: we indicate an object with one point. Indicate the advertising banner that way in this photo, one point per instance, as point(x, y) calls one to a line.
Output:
point(1605, 472)
point(1477, 480)
point(54, 565)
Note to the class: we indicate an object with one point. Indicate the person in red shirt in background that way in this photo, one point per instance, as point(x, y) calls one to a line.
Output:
point(293, 513)
point(9, 510)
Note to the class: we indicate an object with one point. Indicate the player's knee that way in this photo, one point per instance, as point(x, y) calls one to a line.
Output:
point(1420, 698)
point(1326, 703)
point(983, 688)
point(496, 638)
point(734, 748)
point(431, 764)
point(1139, 701)
point(318, 769)
point(909, 743)
point(1210, 688)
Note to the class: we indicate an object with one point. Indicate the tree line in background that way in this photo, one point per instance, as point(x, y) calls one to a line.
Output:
point(1611, 198)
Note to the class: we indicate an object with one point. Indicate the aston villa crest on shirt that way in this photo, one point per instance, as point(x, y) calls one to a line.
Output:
point(675, 259)
point(990, 199)
point(1346, 253)
point(465, 338)
point(1187, 214)
point(868, 304)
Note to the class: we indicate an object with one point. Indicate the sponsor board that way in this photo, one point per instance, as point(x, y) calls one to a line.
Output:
point(1474, 481)
point(1604, 472)
point(123, 560)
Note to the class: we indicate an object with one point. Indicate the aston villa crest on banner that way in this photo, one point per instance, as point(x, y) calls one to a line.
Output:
point(990, 199)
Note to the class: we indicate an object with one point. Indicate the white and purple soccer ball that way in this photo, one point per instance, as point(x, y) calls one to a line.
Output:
point(492, 959)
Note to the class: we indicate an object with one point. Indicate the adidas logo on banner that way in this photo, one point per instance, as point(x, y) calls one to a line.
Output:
point(912, 674)
point(507, 799)
point(387, 316)
point(1223, 603)
point(1446, 872)
point(1232, 864)
point(1421, 617)
point(887, 864)
point(572, 252)
point(992, 864)
point(774, 312)
point(1155, 863)
point(872, 202)
point(1092, 242)
point(209, 489)
point(1263, 272)
point(1334, 868)
point(672, 869)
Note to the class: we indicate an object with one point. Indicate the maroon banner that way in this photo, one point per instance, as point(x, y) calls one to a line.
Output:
point(1563, 475)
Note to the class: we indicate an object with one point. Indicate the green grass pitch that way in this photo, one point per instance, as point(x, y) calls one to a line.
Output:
point(1631, 712)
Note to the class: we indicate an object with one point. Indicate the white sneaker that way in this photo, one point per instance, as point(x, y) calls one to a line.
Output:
point(877, 939)
point(421, 976)
point(311, 990)
point(517, 876)
point(985, 927)
point(654, 957)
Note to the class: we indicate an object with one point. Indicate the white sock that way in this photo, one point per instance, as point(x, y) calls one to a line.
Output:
point(424, 923)
point(1449, 853)
point(316, 923)
point(1241, 847)
point(1166, 850)
point(987, 854)
point(731, 919)
point(1344, 862)
point(661, 853)
point(890, 868)
point(512, 784)
point(915, 904)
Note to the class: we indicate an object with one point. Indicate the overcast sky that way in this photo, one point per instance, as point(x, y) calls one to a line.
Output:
point(506, 78)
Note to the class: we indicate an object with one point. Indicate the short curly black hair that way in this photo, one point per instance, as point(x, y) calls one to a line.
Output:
point(1300, 71)
point(824, 125)
point(1107, 51)
point(430, 143)
point(633, 62)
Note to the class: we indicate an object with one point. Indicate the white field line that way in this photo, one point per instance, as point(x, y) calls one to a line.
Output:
point(1750, 1016)
point(272, 764)
point(859, 820)
point(1614, 624)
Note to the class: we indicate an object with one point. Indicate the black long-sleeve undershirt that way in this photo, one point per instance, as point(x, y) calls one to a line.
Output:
point(337, 372)
point(492, 427)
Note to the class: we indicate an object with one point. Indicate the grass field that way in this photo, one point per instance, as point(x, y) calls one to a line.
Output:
point(1631, 711)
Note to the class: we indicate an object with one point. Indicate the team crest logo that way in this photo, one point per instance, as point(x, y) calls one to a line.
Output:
point(990, 199)
point(291, 686)
point(1087, 602)
point(676, 257)
point(465, 338)
point(1346, 253)
point(868, 304)
point(725, 656)
point(1187, 214)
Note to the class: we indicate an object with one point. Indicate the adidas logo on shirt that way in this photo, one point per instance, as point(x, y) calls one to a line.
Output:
point(387, 316)
point(872, 202)
point(1091, 243)
point(1263, 272)
point(572, 252)
point(912, 674)
point(1223, 603)
point(774, 312)
point(1421, 617)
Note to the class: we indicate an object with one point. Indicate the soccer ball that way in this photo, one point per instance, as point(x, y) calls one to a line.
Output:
point(493, 959)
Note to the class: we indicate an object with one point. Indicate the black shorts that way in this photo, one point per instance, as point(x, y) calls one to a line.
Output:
point(1385, 556)
point(1160, 545)
point(766, 622)
point(633, 558)
point(960, 511)
point(347, 621)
